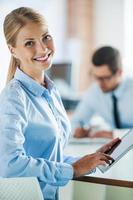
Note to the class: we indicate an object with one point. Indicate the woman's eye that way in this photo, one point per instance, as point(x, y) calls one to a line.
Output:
point(47, 37)
point(29, 44)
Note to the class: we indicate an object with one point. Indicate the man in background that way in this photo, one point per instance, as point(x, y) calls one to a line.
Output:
point(109, 97)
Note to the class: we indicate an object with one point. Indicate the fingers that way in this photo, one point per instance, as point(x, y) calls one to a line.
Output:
point(102, 134)
point(106, 148)
point(89, 162)
point(114, 141)
point(80, 133)
point(102, 163)
point(112, 146)
point(106, 158)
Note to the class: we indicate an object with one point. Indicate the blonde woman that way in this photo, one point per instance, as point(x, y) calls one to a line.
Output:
point(34, 127)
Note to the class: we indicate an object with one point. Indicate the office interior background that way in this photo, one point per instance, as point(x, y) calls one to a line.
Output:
point(78, 28)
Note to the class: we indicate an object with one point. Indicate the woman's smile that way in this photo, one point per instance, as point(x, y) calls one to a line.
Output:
point(34, 49)
point(44, 58)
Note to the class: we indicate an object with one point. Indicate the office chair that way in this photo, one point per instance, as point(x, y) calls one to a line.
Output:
point(26, 188)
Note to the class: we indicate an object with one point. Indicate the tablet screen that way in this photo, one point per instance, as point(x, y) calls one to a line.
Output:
point(119, 150)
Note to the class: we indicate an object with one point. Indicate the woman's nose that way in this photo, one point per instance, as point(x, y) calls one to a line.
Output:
point(41, 47)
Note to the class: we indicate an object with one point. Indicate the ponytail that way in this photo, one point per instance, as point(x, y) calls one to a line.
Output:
point(12, 69)
point(13, 23)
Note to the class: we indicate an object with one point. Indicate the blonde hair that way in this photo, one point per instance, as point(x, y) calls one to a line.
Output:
point(13, 23)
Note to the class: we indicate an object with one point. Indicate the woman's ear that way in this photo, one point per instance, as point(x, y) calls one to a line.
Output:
point(12, 50)
point(120, 71)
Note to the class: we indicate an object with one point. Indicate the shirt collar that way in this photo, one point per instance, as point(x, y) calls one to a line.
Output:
point(32, 85)
point(119, 90)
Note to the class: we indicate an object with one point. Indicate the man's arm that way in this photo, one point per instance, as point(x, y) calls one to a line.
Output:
point(83, 113)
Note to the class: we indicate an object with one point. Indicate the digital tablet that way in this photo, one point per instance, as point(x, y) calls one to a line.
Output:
point(119, 150)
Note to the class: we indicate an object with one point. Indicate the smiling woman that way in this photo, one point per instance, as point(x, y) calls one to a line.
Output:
point(34, 125)
point(33, 48)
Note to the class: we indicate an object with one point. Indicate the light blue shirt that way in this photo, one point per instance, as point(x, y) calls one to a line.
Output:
point(97, 103)
point(34, 130)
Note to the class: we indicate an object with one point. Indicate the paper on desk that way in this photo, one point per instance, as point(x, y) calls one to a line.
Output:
point(20, 189)
point(88, 140)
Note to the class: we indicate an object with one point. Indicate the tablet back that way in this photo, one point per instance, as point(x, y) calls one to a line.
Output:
point(121, 149)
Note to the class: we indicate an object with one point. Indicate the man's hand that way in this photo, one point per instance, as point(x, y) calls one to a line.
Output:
point(81, 133)
point(101, 134)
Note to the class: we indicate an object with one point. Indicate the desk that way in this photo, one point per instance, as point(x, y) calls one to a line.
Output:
point(121, 174)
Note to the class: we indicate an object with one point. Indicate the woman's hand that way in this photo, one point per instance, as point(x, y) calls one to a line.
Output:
point(89, 162)
point(107, 147)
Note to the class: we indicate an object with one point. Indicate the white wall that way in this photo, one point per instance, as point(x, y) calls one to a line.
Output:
point(109, 23)
point(113, 26)
point(109, 27)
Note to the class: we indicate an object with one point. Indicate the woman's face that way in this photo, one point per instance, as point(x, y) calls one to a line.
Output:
point(34, 48)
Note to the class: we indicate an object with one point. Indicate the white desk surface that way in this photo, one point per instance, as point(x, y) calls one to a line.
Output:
point(119, 174)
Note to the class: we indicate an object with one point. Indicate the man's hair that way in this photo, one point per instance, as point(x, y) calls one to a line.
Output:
point(109, 56)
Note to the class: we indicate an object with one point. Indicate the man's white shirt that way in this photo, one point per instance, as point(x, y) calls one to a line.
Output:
point(97, 103)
